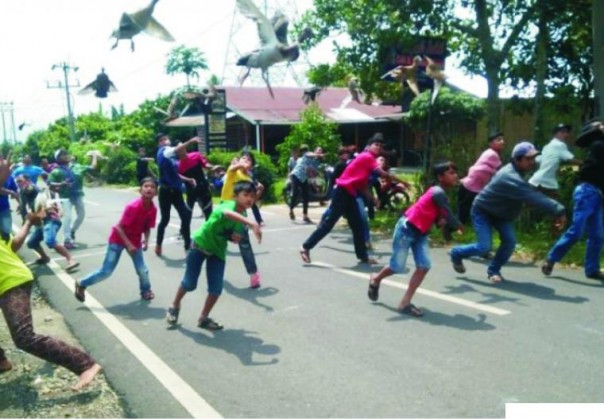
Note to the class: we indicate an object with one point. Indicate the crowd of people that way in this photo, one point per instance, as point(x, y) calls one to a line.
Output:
point(490, 197)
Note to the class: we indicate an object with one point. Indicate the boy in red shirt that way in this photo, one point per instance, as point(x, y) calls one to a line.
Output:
point(137, 220)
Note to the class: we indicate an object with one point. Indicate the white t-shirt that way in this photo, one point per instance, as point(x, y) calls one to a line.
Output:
point(554, 153)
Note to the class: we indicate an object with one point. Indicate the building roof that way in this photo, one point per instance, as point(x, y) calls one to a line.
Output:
point(256, 105)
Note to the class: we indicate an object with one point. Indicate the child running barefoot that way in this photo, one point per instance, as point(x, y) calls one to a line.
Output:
point(137, 220)
point(411, 231)
point(209, 244)
point(15, 291)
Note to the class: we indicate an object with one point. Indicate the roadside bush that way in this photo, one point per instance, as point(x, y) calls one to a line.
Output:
point(120, 167)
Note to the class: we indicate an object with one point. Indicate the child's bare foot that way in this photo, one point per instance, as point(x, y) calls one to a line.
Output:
point(86, 377)
point(5, 366)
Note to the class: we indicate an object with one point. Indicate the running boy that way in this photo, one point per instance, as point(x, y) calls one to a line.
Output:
point(411, 232)
point(137, 221)
point(210, 244)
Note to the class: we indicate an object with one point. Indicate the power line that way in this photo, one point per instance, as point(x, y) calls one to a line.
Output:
point(65, 85)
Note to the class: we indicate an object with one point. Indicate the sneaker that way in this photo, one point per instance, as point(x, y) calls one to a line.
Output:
point(255, 280)
point(596, 275)
point(70, 246)
point(209, 324)
point(458, 265)
point(172, 316)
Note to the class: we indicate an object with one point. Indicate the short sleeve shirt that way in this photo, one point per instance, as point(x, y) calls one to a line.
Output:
point(79, 170)
point(136, 219)
point(356, 175)
point(13, 272)
point(32, 171)
point(11, 186)
point(61, 174)
point(302, 165)
point(231, 178)
point(212, 237)
point(553, 155)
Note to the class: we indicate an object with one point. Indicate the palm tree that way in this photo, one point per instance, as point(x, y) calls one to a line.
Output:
point(186, 60)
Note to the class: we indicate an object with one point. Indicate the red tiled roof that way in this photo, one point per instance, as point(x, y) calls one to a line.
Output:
point(256, 105)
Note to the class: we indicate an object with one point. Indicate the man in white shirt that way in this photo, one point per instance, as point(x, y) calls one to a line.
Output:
point(554, 154)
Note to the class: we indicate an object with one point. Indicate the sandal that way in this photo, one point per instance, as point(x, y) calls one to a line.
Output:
point(172, 316)
point(411, 310)
point(305, 255)
point(373, 291)
point(496, 278)
point(308, 220)
point(42, 261)
point(80, 292)
point(72, 266)
point(209, 324)
point(369, 261)
point(148, 295)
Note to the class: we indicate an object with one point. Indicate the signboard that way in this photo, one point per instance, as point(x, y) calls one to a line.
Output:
point(215, 122)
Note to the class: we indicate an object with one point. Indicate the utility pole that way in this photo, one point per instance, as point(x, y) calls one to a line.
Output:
point(8, 108)
point(3, 122)
point(65, 85)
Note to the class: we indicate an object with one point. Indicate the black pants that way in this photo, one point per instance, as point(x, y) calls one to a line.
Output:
point(200, 194)
point(169, 197)
point(341, 203)
point(297, 187)
point(465, 199)
point(16, 307)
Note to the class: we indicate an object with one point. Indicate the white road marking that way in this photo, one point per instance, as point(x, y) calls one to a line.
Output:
point(423, 291)
point(95, 204)
point(179, 388)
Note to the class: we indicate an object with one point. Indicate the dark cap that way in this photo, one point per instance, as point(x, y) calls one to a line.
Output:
point(495, 134)
point(523, 149)
point(378, 137)
point(159, 136)
point(592, 131)
point(562, 127)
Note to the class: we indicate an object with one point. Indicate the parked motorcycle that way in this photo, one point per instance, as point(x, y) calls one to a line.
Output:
point(320, 185)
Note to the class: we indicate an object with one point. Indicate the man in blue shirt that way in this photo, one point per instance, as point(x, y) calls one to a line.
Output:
point(9, 189)
point(170, 190)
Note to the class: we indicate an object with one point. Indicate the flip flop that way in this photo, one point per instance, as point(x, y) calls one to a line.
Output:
point(373, 291)
point(369, 261)
point(72, 266)
point(496, 278)
point(411, 310)
point(305, 255)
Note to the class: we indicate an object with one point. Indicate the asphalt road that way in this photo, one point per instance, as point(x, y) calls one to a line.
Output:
point(309, 343)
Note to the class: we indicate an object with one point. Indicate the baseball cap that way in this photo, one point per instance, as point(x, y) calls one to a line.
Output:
point(524, 149)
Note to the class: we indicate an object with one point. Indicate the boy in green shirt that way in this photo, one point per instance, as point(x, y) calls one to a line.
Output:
point(210, 243)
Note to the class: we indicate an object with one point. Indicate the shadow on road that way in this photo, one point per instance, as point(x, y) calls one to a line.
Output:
point(458, 321)
point(591, 284)
point(530, 289)
point(237, 342)
point(252, 295)
point(137, 310)
point(489, 297)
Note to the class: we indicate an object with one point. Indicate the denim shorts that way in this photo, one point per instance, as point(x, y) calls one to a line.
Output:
point(214, 271)
point(408, 237)
point(47, 232)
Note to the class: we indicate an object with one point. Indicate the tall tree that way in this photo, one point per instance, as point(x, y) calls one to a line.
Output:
point(186, 60)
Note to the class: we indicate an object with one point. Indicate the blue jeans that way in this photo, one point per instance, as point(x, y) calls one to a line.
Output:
point(214, 271)
point(587, 217)
point(6, 222)
point(247, 253)
point(112, 257)
point(47, 232)
point(484, 225)
point(405, 238)
point(364, 218)
point(77, 203)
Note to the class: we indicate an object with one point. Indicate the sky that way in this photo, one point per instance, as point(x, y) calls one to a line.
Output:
point(37, 34)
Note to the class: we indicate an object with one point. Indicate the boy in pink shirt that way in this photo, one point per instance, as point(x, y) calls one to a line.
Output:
point(411, 232)
point(137, 220)
point(479, 175)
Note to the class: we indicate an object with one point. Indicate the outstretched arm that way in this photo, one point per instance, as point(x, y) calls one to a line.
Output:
point(19, 238)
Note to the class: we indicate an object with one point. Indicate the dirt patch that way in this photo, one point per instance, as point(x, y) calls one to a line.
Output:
point(35, 388)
